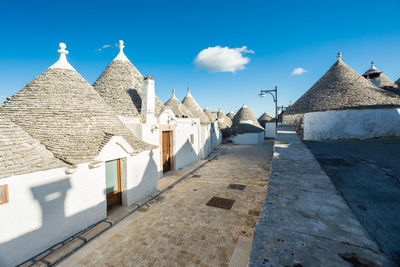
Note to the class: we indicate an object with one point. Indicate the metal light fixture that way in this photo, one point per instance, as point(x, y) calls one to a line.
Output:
point(275, 98)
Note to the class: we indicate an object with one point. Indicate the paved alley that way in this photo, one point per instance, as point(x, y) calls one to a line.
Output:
point(179, 228)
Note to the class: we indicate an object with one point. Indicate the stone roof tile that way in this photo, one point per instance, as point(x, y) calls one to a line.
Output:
point(64, 112)
point(342, 88)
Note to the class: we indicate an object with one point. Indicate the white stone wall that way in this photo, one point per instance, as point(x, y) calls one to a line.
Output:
point(248, 138)
point(270, 129)
point(349, 124)
point(141, 176)
point(205, 140)
point(47, 207)
point(186, 152)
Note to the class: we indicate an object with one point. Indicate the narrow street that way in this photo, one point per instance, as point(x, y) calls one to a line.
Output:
point(179, 228)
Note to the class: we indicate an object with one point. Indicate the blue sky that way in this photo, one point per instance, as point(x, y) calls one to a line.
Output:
point(163, 38)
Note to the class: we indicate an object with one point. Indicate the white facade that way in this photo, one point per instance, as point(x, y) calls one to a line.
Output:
point(347, 124)
point(248, 138)
point(187, 146)
point(46, 207)
point(270, 129)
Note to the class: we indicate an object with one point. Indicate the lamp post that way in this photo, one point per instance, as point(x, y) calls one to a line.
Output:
point(275, 98)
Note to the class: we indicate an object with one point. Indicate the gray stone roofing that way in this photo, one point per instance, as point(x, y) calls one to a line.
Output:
point(64, 112)
point(385, 81)
point(178, 108)
point(20, 153)
point(264, 118)
point(121, 87)
point(195, 108)
point(398, 82)
point(211, 115)
point(245, 122)
point(342, 88)
point(223, 120)
point(231, 114)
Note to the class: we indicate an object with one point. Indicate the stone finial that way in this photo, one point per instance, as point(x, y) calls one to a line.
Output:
point(339, 55)
point(188, 89)
point(244, 106)
point(173, 91)
point(121, 45)
point(121, 56)
point(220, 110)
point(62, 62)
point(62, 49)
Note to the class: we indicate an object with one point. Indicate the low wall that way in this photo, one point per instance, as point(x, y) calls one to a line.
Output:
point(248, 138)
point(46, 207)
point(270, 129)
point(349, 124)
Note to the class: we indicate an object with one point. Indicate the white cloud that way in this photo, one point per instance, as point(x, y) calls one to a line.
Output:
point(103, 47)
point(222, 59)
point(298, 71)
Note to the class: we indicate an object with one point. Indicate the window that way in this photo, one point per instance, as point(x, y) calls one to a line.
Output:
point(192, 139)
point(3, 194)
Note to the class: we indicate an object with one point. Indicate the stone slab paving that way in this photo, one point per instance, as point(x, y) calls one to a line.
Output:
point(304, 220)
point(179, 229)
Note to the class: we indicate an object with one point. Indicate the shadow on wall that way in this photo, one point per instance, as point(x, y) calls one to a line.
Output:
point(186, 155)
point(55, 226)
point(147, 184)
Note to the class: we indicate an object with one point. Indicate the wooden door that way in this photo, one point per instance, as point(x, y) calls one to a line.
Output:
point(113, 183)
point(166, 151)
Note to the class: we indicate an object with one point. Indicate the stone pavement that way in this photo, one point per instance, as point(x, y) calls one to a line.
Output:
point(304, 220)
point(179, 229)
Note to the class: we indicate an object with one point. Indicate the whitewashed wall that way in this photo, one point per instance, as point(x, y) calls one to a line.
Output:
point(141, 177)
point(186, 153)
point(270, 129)
point(248, 138)
point(205, 140)
point(47, 207)
point(348, 124)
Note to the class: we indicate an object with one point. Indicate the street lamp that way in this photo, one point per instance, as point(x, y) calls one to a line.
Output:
point(275, 98)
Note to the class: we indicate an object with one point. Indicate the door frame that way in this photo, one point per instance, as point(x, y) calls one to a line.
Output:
point(119, 190)
point(171, 129)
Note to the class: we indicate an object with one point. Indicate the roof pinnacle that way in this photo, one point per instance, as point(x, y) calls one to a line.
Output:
point(121, 55)
point(339, 55)
point(62, 62)
point(121, 45)
point(173, 91)
point(62, 50)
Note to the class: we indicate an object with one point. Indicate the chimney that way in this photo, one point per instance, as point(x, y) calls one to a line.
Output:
point(148, 101)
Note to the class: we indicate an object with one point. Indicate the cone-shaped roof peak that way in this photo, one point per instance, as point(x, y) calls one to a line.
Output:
point(62, 62)
point(341, 88)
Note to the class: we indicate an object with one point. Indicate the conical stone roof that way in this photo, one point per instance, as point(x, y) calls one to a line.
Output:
point(121, 87)
point(64, 112)
point(231, 114)
point(223, 120)
point(245, 122)
point(342, 88)
point(195, 108)
point(386, 82)
point(178, 108)
point(211, 116)
point(264, 118)
point(398, 82)
point(20, 153)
